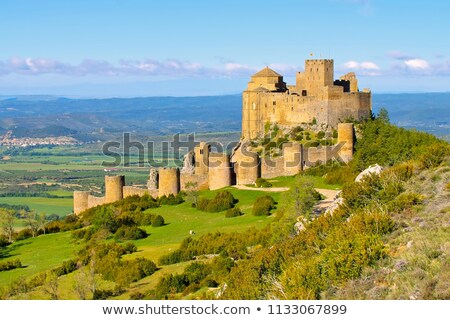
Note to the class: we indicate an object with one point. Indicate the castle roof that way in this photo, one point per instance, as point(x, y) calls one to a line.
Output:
point(267, 72)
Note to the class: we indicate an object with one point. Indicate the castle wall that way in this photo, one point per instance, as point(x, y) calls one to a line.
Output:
point(94, 201)
point(169, 181)
point(80, 201)
point(219, 171)
point(202, 181)
point(272, 167)
point(134, 191)
point(114, 188)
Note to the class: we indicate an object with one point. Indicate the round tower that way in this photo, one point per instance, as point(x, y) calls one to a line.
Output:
point(169, 181)
point(247, 168)
point(80, 201)
point(114, 188)
point(346, 139)
point(219, 171)
point(293, 160)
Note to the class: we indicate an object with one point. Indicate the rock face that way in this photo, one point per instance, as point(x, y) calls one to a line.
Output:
point(375, 169)
point(152, 183)
point(189, 163)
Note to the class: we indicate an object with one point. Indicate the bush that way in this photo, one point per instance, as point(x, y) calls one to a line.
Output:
point(263, 205)
point(129, 247)
point(66, 268)
point(262, 183)
point(434, 155)
point(171, 199)
point(23, 234)
point(10, 265)
point(157, 221)
point(146, 219)
point(320, 135)
point(3, 241)
point(202, 204)
point(405, 201)
point(222, 201)
point(233, 212)
point(130, 233)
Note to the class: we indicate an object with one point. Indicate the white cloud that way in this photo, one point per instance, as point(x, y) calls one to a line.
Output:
point(146, 67)
point(367, 65)
point(417, 64)
point(366, 68)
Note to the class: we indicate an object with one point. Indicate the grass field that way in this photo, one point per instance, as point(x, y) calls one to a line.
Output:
point(59, 206)
point(38, 254)
point(48, 251)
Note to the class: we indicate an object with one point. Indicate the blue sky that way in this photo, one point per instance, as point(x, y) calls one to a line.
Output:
point(144, 47)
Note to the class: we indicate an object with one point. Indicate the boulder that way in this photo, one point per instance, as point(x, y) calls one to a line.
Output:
point(374, 169)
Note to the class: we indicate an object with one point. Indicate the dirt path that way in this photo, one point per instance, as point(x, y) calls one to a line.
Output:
point(281, 189)
point(325, 203)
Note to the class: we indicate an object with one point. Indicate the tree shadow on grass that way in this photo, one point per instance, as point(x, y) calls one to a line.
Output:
point(6, 252)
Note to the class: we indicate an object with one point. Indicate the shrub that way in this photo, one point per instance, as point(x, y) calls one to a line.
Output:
point(222, 201)
point(320, 135)
point(130, 233)
point(145, 219)
point(129, 247)
point(335, 134)
point(263, 205)
point(434, 155)
point(262, 183)
point(23, 234)
point(405, 201)
point(66, 268)
point(233, 212)
point(3, 241)
point(10, 265)
point(157, 221)
point(171, 199)
point(202, 204)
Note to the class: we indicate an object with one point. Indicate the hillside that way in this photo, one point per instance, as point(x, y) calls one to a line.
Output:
point(92, 119)
point(387, 240)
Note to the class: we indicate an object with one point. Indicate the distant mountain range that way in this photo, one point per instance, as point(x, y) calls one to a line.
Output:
point(99, 119)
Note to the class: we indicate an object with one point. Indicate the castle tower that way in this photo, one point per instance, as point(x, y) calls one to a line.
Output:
point(293, 158)
point(80, 201)
point(169, 181)
point(114, 188)
point(346, 138)
point(202, 158)
point(247, 167)
point(317, 75)
point(267, 79)
point(219, 171)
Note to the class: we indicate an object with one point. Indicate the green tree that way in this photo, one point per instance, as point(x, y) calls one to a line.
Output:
point(191, 189)
point(383, 115)
point(7, 222)
point(302, 196)
point(31, 219)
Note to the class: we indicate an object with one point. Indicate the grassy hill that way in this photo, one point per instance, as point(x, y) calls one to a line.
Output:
point(388, 240)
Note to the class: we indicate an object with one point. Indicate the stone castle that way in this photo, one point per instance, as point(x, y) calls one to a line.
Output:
point(315, 97)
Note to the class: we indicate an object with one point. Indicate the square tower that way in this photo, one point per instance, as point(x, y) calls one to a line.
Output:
point(317, 75)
